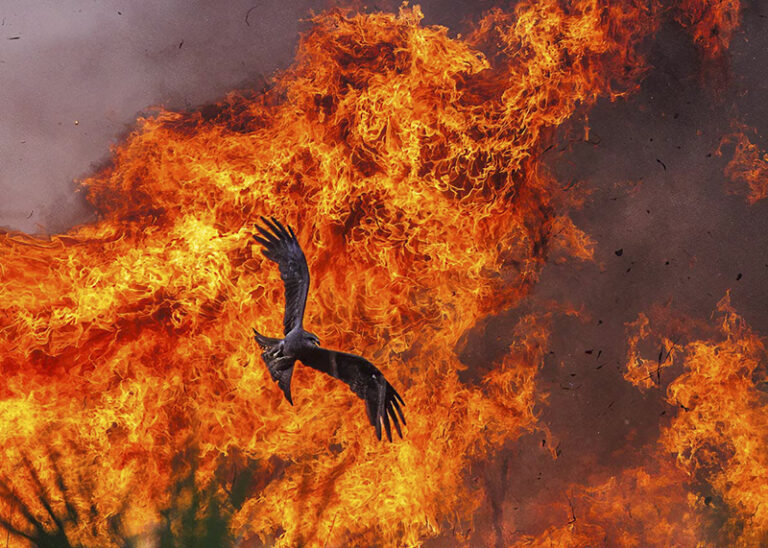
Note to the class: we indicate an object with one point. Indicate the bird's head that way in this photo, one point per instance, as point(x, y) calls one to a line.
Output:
point(311, 338)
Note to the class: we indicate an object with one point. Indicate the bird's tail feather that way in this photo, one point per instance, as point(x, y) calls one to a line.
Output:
point(284, 382)
point(281, 373)
point(264, 341)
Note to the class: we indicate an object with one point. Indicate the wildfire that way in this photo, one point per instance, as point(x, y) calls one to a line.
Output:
point(642, 506)
point(711, 24)
point(408, 163)
point(748, 167)
point(718, 436)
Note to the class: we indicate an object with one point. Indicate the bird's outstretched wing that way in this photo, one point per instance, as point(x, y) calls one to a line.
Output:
point(382, 402)
point(281, 246)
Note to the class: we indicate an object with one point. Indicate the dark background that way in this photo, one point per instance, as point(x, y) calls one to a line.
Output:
point(76, 74)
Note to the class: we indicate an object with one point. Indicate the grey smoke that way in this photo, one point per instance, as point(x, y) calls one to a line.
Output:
point(80, 72)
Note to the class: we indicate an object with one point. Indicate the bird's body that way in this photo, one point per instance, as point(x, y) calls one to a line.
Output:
point(382, 402)
point(298, 341)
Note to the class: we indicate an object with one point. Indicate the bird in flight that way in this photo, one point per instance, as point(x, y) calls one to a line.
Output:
point(382, 402)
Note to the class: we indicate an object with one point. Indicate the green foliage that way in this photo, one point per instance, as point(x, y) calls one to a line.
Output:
point(195, 517)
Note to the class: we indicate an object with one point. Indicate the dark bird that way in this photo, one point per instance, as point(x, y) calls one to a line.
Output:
point(382, 402)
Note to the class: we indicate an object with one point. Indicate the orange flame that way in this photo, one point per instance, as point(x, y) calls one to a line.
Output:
point(748, 166)
point(408, 163)
point(711, 24)
point(642, 506)
point(718, 436)
point(702, 483)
